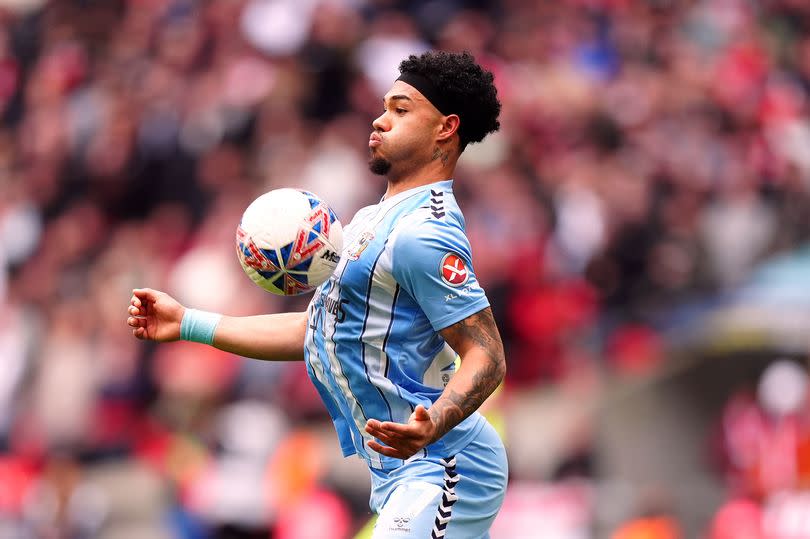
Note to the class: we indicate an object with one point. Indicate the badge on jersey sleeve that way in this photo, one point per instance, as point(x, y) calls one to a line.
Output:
point(453, 270)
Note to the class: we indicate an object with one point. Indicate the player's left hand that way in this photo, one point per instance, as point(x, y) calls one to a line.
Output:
point(402, 440)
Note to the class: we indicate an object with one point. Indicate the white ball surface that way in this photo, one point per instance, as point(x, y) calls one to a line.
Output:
point(289, 241)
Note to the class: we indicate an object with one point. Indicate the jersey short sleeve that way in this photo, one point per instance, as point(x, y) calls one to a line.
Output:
point(431, 260)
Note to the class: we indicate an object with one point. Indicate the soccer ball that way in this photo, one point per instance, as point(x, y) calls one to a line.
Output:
point(289, 241)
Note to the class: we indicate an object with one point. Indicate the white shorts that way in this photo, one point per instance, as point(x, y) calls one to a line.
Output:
point(456, 497)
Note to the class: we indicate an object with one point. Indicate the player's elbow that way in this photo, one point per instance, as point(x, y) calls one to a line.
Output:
point(497, 364)
point(500, 373)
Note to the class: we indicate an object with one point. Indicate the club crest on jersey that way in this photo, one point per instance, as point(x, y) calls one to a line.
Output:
point(357, 248)
point(453, 270)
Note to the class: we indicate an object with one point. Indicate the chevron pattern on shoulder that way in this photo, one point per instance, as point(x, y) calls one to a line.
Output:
point(449, 497)
point(437, 204)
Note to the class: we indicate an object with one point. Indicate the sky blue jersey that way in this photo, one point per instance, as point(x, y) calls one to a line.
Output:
point(372, 346)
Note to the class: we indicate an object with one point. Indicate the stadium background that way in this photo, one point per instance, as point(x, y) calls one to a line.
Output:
point(641, 225)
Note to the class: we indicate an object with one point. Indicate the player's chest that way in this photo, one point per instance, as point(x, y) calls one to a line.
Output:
point(363, 246)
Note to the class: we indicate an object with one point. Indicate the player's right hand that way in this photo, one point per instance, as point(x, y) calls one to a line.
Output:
point(154, 315)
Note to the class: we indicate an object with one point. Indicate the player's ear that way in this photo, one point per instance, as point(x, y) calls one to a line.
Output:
point(449, 127)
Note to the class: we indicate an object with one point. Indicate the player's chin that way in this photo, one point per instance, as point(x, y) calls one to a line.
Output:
point(379, 165)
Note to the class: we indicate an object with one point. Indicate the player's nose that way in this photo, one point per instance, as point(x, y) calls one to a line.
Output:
point(379, 124)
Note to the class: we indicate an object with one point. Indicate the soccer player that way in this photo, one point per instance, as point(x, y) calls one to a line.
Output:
point(381, 337)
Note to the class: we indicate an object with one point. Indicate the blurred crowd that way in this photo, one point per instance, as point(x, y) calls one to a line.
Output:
point(652, 152)
point(762, 449)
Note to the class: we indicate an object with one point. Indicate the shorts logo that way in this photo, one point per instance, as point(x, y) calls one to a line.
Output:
point(453, 270)
point(400, 525)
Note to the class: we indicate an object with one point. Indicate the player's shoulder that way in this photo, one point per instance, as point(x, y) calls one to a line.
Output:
point(437, 210)
point(423, 222)
point(426, 227)
point(441, 204)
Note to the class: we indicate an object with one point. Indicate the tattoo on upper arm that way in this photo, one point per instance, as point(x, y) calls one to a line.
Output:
point(481, 330)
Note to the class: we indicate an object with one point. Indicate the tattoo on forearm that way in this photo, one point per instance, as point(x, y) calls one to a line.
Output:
point(453, 407)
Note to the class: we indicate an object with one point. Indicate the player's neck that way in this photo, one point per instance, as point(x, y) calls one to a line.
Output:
point(434, 171)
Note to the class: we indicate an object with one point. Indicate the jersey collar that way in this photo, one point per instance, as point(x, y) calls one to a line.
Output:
point(445, 185)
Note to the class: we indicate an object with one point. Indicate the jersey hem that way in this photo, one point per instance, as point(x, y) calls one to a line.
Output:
point(447, 321)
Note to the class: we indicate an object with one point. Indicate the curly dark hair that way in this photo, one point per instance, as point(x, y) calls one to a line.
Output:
point(465, 84)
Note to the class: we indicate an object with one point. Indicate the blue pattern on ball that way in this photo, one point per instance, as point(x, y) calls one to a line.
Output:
point(272, 256)
point(313, 200)
point(278, 280)
point(286, 253)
